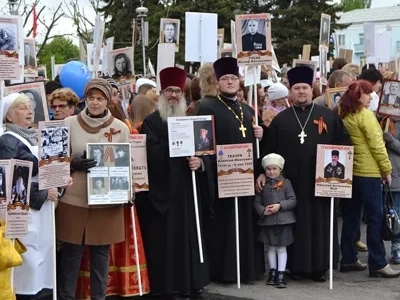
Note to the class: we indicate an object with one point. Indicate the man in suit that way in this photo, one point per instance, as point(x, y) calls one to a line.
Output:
point(29, 59)
point(169, 33)
point(392, 98)
point(253, 41)
point(334, 169)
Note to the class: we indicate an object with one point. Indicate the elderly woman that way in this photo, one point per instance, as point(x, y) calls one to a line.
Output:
point(63, 102)
point(371, 165)
point(79, 224)
point(20, 142)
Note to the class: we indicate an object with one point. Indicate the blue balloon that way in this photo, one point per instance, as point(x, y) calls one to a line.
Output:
point(75, 75)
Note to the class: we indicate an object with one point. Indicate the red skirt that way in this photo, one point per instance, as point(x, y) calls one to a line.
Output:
point(123, 279)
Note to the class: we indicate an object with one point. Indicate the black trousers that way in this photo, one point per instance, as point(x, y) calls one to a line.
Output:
point(70, 262)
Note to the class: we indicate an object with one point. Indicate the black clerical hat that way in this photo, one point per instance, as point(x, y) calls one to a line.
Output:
point(335, 153)
point(301, 74)
point(225, 66)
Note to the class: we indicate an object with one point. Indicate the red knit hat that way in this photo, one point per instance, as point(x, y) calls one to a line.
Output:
point(172, 76)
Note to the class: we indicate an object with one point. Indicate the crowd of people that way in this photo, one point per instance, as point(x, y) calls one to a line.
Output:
point(284, 228)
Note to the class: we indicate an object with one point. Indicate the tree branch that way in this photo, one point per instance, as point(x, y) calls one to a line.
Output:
point(37, 19)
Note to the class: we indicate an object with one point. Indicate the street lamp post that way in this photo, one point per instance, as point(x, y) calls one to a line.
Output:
point(141, 14)
point(12, 5)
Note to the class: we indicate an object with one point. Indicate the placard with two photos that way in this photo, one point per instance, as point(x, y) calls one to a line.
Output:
point(389, 102)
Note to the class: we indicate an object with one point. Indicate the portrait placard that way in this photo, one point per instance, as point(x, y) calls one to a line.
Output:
point(235, 170)
point(323, 66)
point(307, 63)
point(140, 175)
point(253, 39)
point(5, 187)
point(189, 136)
point(233, 39)
point(120, 64)
point(169, 32)
point(220, 38)
point(54, 153)
point(389, 102)
point(11, 39)
point(333, 96)
point(17, 216)
point(30, 63)
point(37, 95)
point(109, 182)
point(90, 58)
point(42, 70)
point(325, 31)
point(226, 53)
point(334, 171)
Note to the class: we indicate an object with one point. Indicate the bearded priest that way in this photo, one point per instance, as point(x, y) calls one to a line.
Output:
point(234, 124)
point(166, 213)
point(294, 134)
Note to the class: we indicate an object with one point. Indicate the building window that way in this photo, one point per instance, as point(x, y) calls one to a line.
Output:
point(340, 40)
point(361, 38)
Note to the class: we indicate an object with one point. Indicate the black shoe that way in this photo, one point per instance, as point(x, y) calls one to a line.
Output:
point(280, 280)
point(271, 277)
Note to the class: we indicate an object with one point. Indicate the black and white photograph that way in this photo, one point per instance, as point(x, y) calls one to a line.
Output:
point(306, 63)
point(8, 35)
point(54, 142)
point(96, 152)
point(89, 57)
point(253, 35)
point(334, 167)
point(122, 158)
point(203, 137)
point(333, 95)
point(220, 38)
point(19, 189)
point(169, 32)
point(120, 64)
point(323, 55)
point(98, 187)
point(36, 93)
point(3, 183)
point(119, 183)
point(389, 103)
point(226, 53)
point(29, 54)
point(325, 30)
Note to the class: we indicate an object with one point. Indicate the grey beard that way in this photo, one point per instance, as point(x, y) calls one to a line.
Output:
point(167, 110)
point(334, 163)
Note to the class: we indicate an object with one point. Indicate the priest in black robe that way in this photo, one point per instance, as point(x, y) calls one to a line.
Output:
point(166, 213)
point(234, 124)
point(294, 133)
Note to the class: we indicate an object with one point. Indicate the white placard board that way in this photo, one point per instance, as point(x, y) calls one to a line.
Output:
point(252, 75)
point(165, 59)
point(201, 32)
point(369, 39)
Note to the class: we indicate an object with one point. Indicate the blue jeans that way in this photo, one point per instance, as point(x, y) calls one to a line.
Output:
point(396, 200)
point(367, 193)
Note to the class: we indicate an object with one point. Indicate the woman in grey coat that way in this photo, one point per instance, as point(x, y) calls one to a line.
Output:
point(275, 208)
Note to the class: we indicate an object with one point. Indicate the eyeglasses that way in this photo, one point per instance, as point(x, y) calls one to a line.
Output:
point(61, 106)
point(98, 99)
point(169, 92)
point(229, 78)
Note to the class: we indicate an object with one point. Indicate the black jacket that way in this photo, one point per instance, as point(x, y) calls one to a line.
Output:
point(11, 147)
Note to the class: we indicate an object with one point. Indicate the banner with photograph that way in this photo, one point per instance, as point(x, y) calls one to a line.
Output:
point(54, 153)
point(37, 95)
point(120, 64)
point(140, 176)
point(325, 32)
point(189, 136)
point(235, 170)
point(11, 38)
point(17, 216)
point(30, 63)
point(389, 102)
point(334, 171)
point(253, 39)
point(169, 32)
point(109, 182)
point(5, 187)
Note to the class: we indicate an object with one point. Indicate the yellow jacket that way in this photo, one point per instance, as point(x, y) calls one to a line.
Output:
point(370, 155)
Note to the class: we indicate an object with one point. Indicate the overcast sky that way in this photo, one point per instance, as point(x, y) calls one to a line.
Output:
point(65, 25)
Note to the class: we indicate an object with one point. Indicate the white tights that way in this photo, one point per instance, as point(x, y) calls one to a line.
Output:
point(282, 257)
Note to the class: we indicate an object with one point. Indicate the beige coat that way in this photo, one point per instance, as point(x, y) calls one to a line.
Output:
point(76, 222)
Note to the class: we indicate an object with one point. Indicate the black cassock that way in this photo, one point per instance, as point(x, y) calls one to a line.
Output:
point(310, 252)
point(167, 218)
point(220, 221)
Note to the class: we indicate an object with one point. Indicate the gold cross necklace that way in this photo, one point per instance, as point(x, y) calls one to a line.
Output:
point(241, 128)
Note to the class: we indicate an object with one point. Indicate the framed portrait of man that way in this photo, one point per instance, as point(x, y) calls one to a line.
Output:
point(30, 64)
point(169, 32)
point(389, 102)
point(253, 39)
point(325, 31)
point(334, 95)
point(307, 63)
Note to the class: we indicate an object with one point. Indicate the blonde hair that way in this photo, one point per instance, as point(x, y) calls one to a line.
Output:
point(21, 99)
point(353, 69)
point(64, 94)
point(208, 81)
point(141, 107)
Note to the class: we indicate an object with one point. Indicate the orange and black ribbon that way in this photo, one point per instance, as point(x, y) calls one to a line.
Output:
point(112, 132)
point(278, 185)
point(321, 125)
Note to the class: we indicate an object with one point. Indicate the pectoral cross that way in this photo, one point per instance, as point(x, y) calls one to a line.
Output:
point(243, 130)
point(267, 21)
point(350, 154)
point(302, 135)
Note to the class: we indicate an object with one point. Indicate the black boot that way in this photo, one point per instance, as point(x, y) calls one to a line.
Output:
point(271, 277)
point(280, 280)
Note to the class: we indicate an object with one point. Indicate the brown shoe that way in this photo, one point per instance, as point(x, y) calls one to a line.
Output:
point(357, 266)
point(360, 246)
point(386, 272)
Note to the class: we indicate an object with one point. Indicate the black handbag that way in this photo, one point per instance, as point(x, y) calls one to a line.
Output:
point(391, 221)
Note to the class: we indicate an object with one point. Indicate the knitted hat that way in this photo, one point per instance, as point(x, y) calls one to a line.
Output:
point(111, 81)
point(277, 91)
point(142, 81)
point(273, 159)
point(100, 84)
point(266, 83)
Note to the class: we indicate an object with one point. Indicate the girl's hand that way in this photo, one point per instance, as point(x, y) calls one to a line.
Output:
point(274, 208)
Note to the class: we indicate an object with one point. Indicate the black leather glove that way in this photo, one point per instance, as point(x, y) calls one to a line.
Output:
point(82, 163)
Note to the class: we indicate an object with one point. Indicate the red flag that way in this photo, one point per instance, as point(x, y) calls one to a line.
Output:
point(34, 21)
